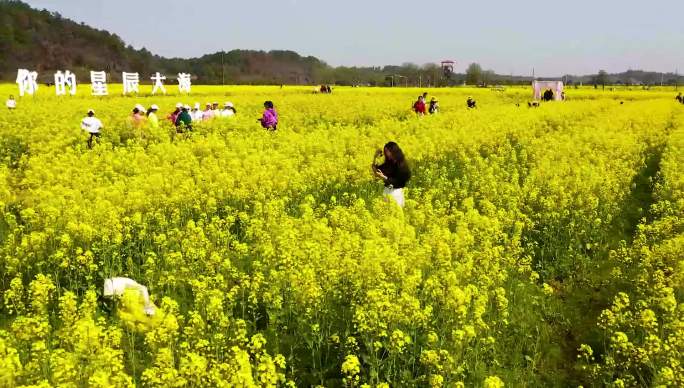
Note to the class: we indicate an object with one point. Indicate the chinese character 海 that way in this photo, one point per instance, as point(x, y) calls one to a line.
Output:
point(184, 82)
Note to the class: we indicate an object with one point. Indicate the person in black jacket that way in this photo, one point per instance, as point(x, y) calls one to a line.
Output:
point(472, 104)
point(394, 172)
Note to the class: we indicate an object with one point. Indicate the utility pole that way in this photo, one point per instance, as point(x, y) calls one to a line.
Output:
point(223, 76)
point(420, 81)
point(676, 79)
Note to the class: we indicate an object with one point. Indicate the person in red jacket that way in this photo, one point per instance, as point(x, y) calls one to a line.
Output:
point(419, 106)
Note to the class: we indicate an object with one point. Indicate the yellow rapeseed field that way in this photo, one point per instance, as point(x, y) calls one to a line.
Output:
point(538, 246)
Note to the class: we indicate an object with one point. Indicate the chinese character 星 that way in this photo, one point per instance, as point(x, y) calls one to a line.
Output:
point(98, 83)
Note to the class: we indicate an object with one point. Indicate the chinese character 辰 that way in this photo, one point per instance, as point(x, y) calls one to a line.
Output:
point(62, 80)
point(131, 82)
point(184, 82)
point(27, 81)
point(158, 83)
point(98, 83)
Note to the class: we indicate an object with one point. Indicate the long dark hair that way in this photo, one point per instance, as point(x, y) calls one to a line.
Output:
point(397, 154)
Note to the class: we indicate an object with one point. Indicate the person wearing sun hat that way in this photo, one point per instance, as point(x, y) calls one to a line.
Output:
point(196, 112)
point(228, 110)
point(152, 116)
point(92, 125)
point(269, 119)
point(208, 113)
point(174, 115)
point(137, 118)
point(184, 120)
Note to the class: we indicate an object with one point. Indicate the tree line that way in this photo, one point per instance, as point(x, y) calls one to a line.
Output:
point(46, 42)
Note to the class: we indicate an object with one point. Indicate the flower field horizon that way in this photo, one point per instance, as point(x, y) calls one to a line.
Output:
point(538, 247)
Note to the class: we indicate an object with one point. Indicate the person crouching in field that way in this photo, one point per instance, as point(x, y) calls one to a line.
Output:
point(680, 98)
point(92, 125)
point(434, 106)
point(472, 104)
point(269, 120)
point(184, 121)
point(11, 103)
point(116, 287)
point(419, 106)
point(394, 172)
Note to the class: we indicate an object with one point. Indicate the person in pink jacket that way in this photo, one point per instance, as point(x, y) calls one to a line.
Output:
point(270, 118)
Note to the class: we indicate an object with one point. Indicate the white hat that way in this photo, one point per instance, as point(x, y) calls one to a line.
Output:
point(228, 104)
point(197, 105)
point(208, 104)
point(140, 107)
point(186, 107)
point(154, 107)
point(91, 111)
point(179, 105)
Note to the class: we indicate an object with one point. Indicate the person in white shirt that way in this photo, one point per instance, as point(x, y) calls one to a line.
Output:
point(196, 113)
point(92, 125)
point(115, 287)
point(228, 110)
point(11, 103)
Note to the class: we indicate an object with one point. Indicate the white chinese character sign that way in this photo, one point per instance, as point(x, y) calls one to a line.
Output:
point(64, 80)
point(98, 83)
point(158, 83)
point(131, 82)
point(184, 82)
point(27, 81)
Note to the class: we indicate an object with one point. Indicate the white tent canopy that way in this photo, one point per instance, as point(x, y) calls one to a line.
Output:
point(540, 86)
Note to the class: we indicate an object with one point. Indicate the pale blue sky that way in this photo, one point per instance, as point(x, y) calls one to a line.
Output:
point(555, 38)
